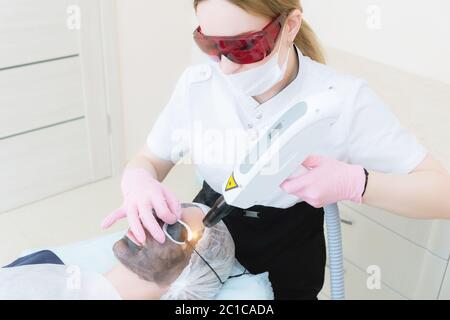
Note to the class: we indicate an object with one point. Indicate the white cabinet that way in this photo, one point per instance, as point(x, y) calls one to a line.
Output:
point(54, 133)
point(356, 286)
point(433, 235)
point(406, 270)
point(412, 254)
point(445, 290)
point(413, 271)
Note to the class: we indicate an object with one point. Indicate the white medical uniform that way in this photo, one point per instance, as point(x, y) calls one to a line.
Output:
point(367, 132)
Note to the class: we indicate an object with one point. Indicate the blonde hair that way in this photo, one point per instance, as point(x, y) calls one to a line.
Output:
point(305, 40)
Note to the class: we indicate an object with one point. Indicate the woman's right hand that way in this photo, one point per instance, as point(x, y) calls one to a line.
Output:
point(144, 196)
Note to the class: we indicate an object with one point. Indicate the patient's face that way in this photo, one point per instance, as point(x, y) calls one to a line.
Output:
point(159, 263)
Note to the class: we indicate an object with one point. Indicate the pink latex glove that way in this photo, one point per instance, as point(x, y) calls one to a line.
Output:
point(327, 181)
point(143, 197)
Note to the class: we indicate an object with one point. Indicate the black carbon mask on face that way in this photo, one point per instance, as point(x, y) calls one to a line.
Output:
point(159, 263)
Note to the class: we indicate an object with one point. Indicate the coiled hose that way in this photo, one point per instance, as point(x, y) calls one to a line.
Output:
point(335, 256)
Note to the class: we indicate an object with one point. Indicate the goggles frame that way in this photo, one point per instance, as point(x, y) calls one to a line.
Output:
point(247, 48)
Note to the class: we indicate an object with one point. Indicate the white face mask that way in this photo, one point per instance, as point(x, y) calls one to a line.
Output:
point(260, 79)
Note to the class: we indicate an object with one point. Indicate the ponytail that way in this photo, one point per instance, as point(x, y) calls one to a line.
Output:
point(308, 44)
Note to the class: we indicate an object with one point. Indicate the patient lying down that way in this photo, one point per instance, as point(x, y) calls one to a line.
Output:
point(193, 270)
point(171, 270)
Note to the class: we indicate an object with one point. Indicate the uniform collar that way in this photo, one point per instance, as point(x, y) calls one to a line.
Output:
point(254, 109)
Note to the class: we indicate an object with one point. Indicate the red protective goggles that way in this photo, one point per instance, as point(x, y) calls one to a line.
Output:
point(243, 49)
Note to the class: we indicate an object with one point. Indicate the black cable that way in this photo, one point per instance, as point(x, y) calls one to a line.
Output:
point(367, 178)
point(239, 275)
point(205, 262)
point(235, 276)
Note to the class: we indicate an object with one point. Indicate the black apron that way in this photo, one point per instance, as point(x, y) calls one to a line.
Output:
point(288, 243)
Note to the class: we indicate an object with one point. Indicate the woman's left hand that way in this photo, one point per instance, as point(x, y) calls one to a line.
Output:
point(327, 181)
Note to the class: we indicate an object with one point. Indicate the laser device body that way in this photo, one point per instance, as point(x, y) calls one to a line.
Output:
point(301, 129)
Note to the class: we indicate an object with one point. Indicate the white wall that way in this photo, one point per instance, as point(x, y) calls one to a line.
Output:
point(412, 35)
point(155, 43)
point(155, 40)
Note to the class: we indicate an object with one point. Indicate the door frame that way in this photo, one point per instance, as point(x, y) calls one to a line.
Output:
point(113, 85)
point(101, 17)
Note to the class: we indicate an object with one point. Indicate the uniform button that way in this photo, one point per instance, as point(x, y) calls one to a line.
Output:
point(203, 74)
point(259, 116)
point(250, 126)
